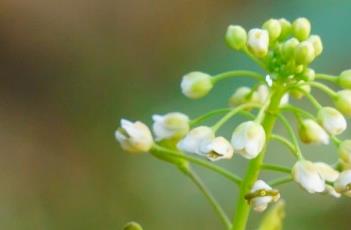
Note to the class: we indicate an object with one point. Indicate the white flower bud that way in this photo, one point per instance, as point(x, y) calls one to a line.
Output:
point(171, 125)
point(345, 79)
point(219, 148)
point(304, 53)
point(261, 94)
point(343, 183)
point(288, 48)
point(236, 37)
point(301, 91)
point(240, 96)
point(248, 139)
point(134, 137)
point(326, 171)
point(307, 175)
point(301, 28)
point(308, 74)
point(262, 194)
point(317, 44)
point(343, 102)
point(196, 85)
point(258, 42)
point(196, 140)
point(344, 151)
point(273, 27)
point(332, 120)
point(312, 133)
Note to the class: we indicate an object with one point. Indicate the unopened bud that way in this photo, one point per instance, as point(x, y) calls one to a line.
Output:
point(236, 37)
point(274, 29)
point(343, 102)
point(288, 48)
point(345, 79)
point(312, 133)
point(301, 91)
point(132, 226)
point(196, 85)
point(304, 53)
point(258, 42)
point(301, 28)
point(317, 44)
point(286, 28)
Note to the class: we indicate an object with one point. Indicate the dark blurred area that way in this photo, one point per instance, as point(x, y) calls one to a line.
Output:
point(71, 69)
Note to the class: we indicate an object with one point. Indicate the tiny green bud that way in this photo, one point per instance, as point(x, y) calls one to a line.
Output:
point(301, 28)
point(286, 28)
point(288, 48)
point(236, 37)
point(196, 85)
point(132, 226)
point(343, 102)
point(317, 44)
point(308, 74)
point(304, 53)
point(345, 79)
point(274, 29)
point(240, 96)
point(301, 91)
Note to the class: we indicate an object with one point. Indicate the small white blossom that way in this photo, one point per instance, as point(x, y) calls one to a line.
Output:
point(196, 85)
point(332, 120)
point(343, 183)
point(171, 125)
point(134, 137)
point(240, 96)
point(197, 140)
point(265, 195)
point(312, 133)
point(219, 148)
point(326, 171)
point(258, 42)
point(248, 139)
point(307, 175)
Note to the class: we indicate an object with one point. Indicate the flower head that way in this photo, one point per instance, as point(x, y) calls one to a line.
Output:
point(343, 102)
point(197, 140)
point(248, 139)
point(312, 133)
point(258, 42)
point(196, 85)
point(134, 137)
point(343, 183)
point(171, 125)
point(261, 194)
point(219, 148)
point(332, 120)
point(307, 175)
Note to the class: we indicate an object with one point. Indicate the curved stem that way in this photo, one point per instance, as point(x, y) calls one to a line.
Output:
point(237, 73)
point(280, 181)
point(253, 171)
point(292, 135)
point(324, 88)
point(216, 206)
point(313, 101)
point(277, 168)
point(233, 113)
point(298, 110)
point(285, 141)
point(327, 77)
point(234, 178)
point(204, 117)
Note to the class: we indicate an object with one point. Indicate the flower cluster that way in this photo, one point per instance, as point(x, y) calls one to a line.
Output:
point(284, 50)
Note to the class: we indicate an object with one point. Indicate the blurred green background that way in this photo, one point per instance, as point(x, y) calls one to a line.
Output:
point(71, 69)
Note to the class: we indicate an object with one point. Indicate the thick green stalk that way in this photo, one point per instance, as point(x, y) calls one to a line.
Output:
point(253, 171)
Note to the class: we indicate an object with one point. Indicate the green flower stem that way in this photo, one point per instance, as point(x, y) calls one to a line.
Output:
point(326, 77)
point(298, 110)
point(280, 181)
point(292, 135)
point(237, 73)
point(336, 140)
point(324, 88)
point(232, 113)
point(216, 206)
point(277, 168)
point(313, 101)
point(285, 141)
point(242, 207)
point(253, 58)
point(202, 118)
point(234, 178)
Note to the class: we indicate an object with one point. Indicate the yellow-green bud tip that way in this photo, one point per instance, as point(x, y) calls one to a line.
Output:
point(132, 226)
point(236, 37)
point(274, 29)
point(301, 28)
point(304, 53)
point(345, 79)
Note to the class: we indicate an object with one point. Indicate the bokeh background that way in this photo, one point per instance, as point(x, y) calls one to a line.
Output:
point(71, 69)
